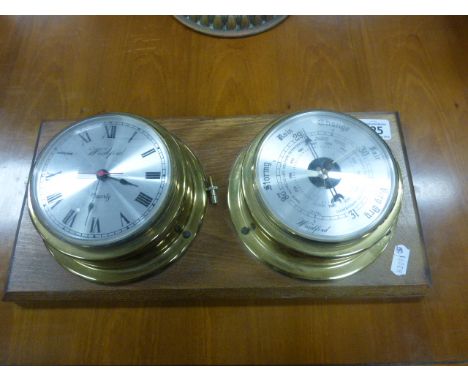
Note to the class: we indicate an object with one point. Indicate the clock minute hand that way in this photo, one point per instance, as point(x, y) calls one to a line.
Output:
point(93, 198)
point(90, 208)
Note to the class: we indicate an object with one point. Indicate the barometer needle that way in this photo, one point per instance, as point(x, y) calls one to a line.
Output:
point(308, 141)
point(335, 196)
point(314, 173)
point(330, 174)
point(339, 160)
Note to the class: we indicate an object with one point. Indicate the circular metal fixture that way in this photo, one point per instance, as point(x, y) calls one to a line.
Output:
point(229, 25)
point(316, 195)
point(116, 197)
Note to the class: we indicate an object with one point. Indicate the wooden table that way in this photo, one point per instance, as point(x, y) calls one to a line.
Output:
point(55, 68)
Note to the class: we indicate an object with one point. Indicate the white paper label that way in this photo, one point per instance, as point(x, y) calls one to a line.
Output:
point(380, 126)
point(400, 260)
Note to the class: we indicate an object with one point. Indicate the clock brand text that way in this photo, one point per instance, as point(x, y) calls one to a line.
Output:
point(104, 151)
point(106, 197)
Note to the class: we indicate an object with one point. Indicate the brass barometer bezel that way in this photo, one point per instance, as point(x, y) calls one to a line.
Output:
point(288, 252)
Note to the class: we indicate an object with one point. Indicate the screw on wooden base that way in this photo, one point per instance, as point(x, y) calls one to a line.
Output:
point(212, 190)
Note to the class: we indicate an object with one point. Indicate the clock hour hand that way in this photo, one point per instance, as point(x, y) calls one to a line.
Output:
point(123, 181)
point(104, 174)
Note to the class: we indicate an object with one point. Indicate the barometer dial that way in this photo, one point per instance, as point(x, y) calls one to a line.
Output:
point(325, 177)
point(315, 195)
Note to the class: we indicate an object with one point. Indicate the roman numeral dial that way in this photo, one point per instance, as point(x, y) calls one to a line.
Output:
point(54, 197)
point(110, 131)
point(153, 175)
point(102, 181)
point(85, 137)
point(95, 226)
point(144, 199)
point(149, 152)
point(123, 220)
point(69, 218)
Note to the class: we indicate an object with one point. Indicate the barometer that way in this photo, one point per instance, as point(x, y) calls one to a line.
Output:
point(316, 195)
point(116, 197)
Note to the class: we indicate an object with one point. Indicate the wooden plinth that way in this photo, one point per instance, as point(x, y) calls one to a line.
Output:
point(217, 266)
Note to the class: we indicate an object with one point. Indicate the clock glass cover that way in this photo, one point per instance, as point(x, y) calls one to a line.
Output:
point(102, 180)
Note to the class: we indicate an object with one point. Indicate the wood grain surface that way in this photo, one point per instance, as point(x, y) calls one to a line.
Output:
point(55, 68)
point(217, 266)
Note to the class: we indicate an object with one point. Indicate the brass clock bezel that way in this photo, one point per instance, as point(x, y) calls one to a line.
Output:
point(164, 238)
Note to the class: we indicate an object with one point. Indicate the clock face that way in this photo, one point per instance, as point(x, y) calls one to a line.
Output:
point(325, 176)
point(101, 180)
